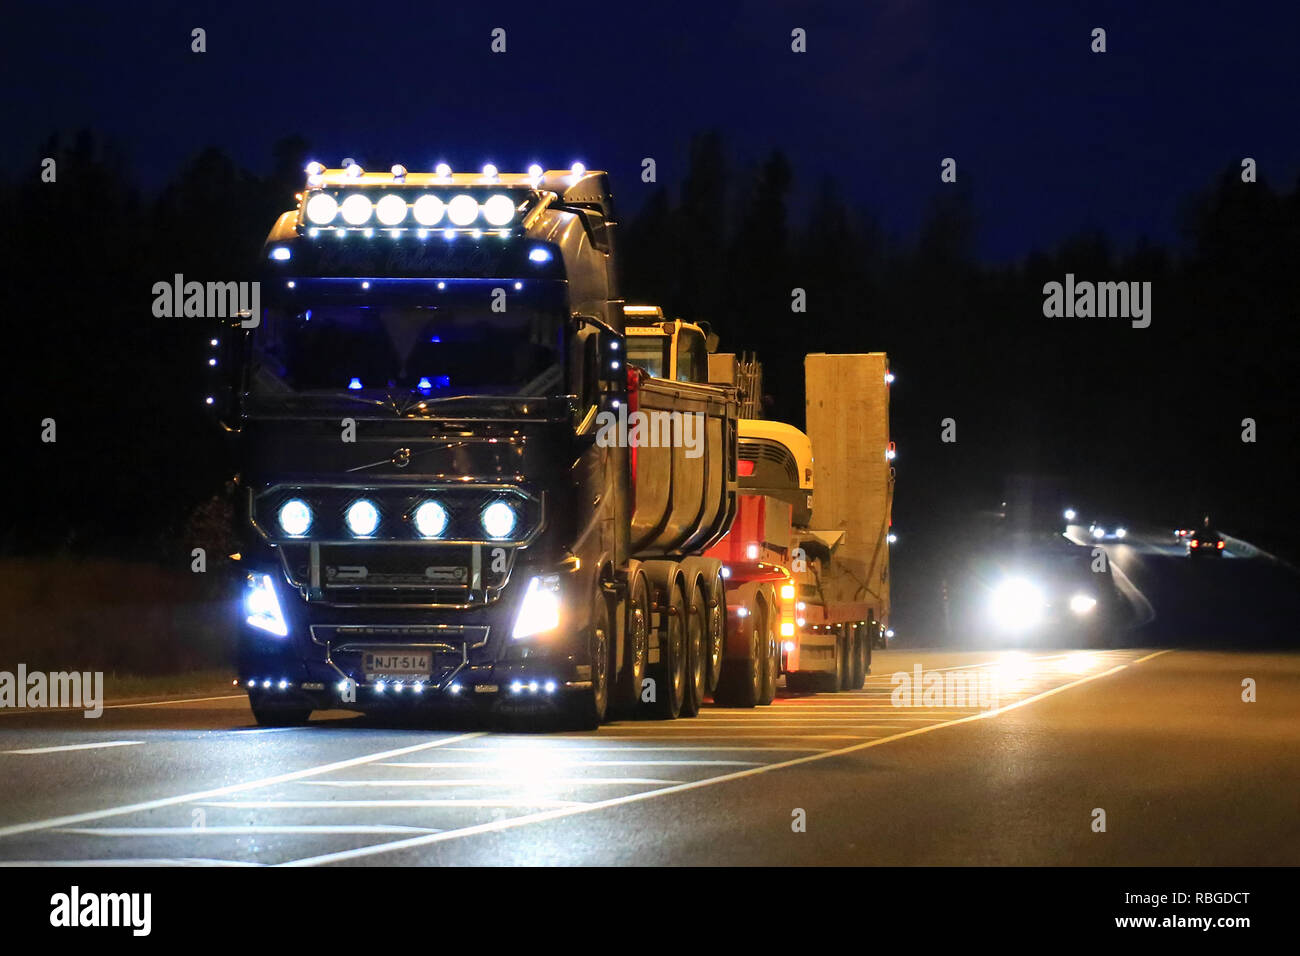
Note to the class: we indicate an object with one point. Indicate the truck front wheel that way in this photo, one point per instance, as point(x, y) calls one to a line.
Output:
point(591, 703)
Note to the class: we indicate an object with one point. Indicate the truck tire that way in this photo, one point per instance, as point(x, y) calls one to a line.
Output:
point(715, 590)
point(277, 715)
point(848, 648)
point(861, 656)
point(742, 678)
point(833, 682)
point(770, 648)
point(669, 672)
point(636, 643)
point(697, 643)
point(590, 704)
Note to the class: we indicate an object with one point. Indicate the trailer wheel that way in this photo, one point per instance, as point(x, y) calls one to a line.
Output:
point(273, 715)
point(697, 644)
point(833, 682)
point(741, 680)
point(591, 703)
point(636, 644)
point(861, 657)
point(770, 650)
point(669, 673)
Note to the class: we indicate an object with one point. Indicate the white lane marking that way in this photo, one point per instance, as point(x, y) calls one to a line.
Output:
point(185, 861)
point(387, 804)
point(559, 813)
point(523, 780)
point(514, 748)
point(75, 818)
point(792, 735)
point(68, 747)
point(544, 758)
point(254, 830)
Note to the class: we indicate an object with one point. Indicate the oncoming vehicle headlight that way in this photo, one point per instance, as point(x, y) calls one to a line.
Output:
point(1098, 532)
point(1017, 604)
point(262, 606)
point(540, 610)
point(1121, 532)
point(1082, 603)
point(499, 520)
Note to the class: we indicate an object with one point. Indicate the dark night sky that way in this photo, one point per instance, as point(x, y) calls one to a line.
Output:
point(1052, 137)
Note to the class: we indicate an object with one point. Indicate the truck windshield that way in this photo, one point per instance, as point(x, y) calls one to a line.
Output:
point(452, 346)
point(648, 351)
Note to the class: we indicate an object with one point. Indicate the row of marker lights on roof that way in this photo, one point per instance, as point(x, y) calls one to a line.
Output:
point(316, 172)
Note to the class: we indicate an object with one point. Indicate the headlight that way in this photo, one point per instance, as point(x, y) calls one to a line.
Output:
point(1082, 603)
point(498, 210)
point(1017, 604)
point(295, 517)
point(1098, 532)
point(430, 519)
point(499, 520)
point(356, 210)
point(462, 210)
point(540, 610)
point(391, 209)
point(1070, 514)
point(1120, 532)
point(263, 607)
point(362, 518)
point(322, 208)
point(428, 210)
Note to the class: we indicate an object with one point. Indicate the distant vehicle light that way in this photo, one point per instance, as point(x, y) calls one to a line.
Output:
point(430, 519)
point(462, 210)
point(1121, 532)
point(362, 518)
point(1219, 545)
point(498, 210)
point(295, 517)
point(499, 519)
point(1194, 543)
point(1082, 603)
point(1098, 531)
point(322, 208)
point(1070, 514)
point(356, 210)
point(391, 209)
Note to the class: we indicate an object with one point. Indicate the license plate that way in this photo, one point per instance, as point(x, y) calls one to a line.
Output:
point(397, 664)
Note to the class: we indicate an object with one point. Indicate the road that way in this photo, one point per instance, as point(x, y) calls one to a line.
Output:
point(1157, 736)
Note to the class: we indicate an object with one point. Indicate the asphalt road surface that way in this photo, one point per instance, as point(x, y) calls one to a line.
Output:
point(1013, 758)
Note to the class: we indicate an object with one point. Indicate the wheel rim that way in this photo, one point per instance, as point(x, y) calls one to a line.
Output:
point(677, 640)
point(640, 641)
point(600, 657)
point(698, 629)
point(715, 638)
